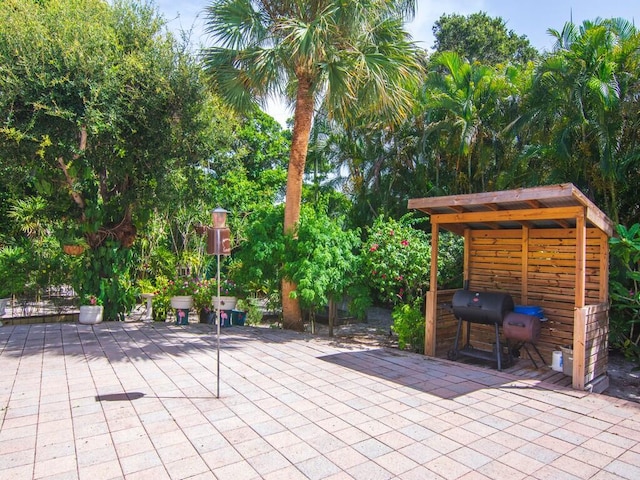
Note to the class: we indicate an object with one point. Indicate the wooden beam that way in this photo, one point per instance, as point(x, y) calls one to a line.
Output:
point(430, 324)
point(579, 342)
point(431, 307)
point(525, 266)
point(466, 258)
point(435, 238)
point(580, 316)
point(600, 220)
point(565, 190)
point(557, 213)
point(604, 267)
point(581, 253)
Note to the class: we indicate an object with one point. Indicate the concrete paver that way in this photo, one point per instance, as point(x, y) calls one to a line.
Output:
point(138, 400)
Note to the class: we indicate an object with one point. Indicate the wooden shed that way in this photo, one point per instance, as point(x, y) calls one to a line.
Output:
point(546, 246)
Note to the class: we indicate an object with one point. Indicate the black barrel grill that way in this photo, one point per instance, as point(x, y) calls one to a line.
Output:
point(488, 308)
point(492, 308)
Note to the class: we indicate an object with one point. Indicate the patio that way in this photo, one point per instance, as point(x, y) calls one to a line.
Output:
point(136, 400)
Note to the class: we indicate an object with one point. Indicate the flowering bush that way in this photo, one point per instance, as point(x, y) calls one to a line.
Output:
point(396, 260)
point(91, 300)
point(181, 287)
point(203, 295)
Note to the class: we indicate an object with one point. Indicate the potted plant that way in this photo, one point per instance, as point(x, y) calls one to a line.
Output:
point(91, 311)
point(180, 294)
point(228, 297)
point(203, 300)
point(13, 274)
point(71, 239)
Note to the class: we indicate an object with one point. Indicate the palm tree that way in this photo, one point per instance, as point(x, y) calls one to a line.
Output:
point(353, 57)
point(466, 106)
point(580, 94)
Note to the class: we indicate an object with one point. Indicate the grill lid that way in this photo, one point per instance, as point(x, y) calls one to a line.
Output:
point(481, 307)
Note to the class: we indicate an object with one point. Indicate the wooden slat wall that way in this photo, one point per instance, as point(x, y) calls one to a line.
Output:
point(597, 344)
point(495, 264)
point(446, 325)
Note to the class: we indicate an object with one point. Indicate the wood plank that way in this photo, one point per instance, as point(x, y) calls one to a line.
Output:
point(466, 258)
point(560, 191)
point(430, 324)
point(555, 213)
point(579, 341)
point(581, 270)
point(525, 266)
point(603, 287)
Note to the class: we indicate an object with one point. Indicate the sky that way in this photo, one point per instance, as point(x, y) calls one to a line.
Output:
point(524, 17)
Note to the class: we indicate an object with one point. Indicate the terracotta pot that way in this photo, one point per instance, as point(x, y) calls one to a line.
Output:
point(73, 249)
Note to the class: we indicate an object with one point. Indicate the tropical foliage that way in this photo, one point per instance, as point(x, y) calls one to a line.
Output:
point(116, 136)
point(298, 50)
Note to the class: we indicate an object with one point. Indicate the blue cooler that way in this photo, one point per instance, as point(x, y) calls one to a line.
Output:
point(532, 310)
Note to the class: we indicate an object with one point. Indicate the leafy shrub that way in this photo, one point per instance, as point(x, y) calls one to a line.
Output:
point(395, 260)
point(408, 323)
point(624, 290)
point(106, 273)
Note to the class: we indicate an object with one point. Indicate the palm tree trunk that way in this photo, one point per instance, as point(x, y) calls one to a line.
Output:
point(303, 115)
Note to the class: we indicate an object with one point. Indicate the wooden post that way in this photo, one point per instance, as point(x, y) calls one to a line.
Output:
point(604, 268)
point(432, 297)
point(466, 258)
point(579, 317)
point(579, 340)
point(525, 265)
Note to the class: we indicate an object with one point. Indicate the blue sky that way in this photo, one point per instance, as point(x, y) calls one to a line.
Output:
point(530, 18)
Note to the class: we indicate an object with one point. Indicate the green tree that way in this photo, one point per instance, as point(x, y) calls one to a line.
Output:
point(353, 57)
point(466, 108)
point(481, 38)
point(581, 98)
point(98, 104)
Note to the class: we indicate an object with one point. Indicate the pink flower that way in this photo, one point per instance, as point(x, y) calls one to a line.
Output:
point(404, 243)
point(392, 233)
point(399, 277)
point(374, 247)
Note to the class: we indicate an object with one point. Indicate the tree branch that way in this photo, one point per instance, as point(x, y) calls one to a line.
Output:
point(75, 195)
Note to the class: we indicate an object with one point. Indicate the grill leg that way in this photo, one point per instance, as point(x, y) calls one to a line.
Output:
point(531, 356)
point(453, 353)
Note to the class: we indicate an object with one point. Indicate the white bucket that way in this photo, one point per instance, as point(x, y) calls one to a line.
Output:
point(556, 362)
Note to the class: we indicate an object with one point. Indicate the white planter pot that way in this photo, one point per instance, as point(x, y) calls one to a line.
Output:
point(226, 303)
point(3, 305)
point(184, 302)
point(90, 314)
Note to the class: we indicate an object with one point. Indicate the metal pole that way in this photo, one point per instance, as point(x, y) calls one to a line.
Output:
point(218, 322)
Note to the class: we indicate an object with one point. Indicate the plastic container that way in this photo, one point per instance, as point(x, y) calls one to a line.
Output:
point(238, 317)
point(556, 363)
point(532, 310)
point(567, 361)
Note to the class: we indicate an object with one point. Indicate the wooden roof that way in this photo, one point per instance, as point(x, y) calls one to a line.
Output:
point(552, 206)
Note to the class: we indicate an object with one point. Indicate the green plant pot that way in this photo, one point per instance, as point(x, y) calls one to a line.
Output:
point(225, 318)
point(238, 317)
point(207, 316)
point(182, 316)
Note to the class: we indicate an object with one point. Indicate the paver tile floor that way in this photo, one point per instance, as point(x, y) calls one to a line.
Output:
point(138, 401)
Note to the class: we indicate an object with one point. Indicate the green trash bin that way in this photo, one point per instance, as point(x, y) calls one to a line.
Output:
point(238, 317)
